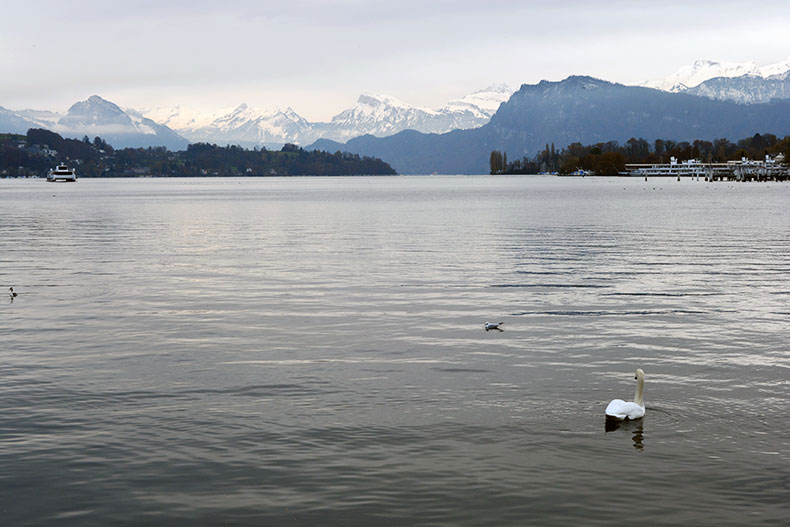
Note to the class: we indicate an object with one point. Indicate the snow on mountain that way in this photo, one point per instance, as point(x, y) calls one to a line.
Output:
point(774, 70)
point(746, 83)
point(703, 70)
point(98, 117)
point(485, 102)
point(41, 118)
point(180, 118)
point(96, 113)
point(241, 125)
point(378, 115)
point(13, 122)
point(248, 126)
point(746, 89)
point(383, 115)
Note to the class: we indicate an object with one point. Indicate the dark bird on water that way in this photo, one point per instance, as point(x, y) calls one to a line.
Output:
point(12, 292)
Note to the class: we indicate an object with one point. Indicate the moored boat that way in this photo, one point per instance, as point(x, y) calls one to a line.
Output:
point(62, 173)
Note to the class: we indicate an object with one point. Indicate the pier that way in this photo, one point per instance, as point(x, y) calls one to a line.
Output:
point(769, 169)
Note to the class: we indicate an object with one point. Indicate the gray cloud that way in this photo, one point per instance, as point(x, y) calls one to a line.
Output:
point(316, 56)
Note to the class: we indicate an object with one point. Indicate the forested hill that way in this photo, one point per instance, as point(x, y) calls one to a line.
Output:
point(39, 150)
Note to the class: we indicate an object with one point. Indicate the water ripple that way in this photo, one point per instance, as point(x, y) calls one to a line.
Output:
point(269, 351)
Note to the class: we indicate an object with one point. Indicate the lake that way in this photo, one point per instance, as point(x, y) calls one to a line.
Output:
point(311, 351)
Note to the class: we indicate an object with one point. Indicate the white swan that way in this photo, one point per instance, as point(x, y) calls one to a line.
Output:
point(620, 410)
point(492, 325)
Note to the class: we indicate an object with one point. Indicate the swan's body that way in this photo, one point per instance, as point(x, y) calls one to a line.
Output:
point(491, 325)
point(12, 292)
point(620, 410)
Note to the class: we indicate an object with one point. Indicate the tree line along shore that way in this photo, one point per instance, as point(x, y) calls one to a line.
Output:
point(39, 150)
point(610, 158)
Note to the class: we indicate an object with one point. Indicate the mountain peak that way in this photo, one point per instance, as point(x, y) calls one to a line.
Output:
point(94, 111)
point(94, 102)
point(379, 99)
point(572, 82)
point(497, 87)
point(586, 79)
point(704, 69)
point(96, 116)
point(377, 114)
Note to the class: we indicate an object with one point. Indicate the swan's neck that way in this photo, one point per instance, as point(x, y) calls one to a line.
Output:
point(640, 385)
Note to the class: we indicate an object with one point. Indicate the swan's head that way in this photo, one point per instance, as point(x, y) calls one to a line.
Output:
point(640, 374)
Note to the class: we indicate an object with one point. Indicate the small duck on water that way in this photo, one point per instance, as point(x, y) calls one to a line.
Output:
point(12, 294)
point(493, 325)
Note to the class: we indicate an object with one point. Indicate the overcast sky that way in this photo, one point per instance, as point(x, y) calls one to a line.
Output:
point(317, 56)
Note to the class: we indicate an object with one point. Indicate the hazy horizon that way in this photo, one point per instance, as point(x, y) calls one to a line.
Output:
point(318, 57)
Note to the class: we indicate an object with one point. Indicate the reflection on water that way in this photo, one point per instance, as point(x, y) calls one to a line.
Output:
point(307, 351)
point(634, 427)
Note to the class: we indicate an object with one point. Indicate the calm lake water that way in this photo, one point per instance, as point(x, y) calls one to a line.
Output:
point(310, 351)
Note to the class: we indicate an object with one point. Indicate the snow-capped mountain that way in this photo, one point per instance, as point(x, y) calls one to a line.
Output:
point(745, 82)
point(485, 102)
point(382, 115)
point(702, 70)
point(578, 109)
point(242, 125)
point(747, 89)
point(99, 117)
point(180, 118)
point(14, 123)
point(378, 115)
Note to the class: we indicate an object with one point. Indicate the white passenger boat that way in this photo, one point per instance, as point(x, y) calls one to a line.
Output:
point(62, 173)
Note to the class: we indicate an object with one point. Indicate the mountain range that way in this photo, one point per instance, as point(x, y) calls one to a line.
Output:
point(703, 100)
point(745, 82)
point(382, 115)
point(378, 115)
point(703, 70)
point(577, 109)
